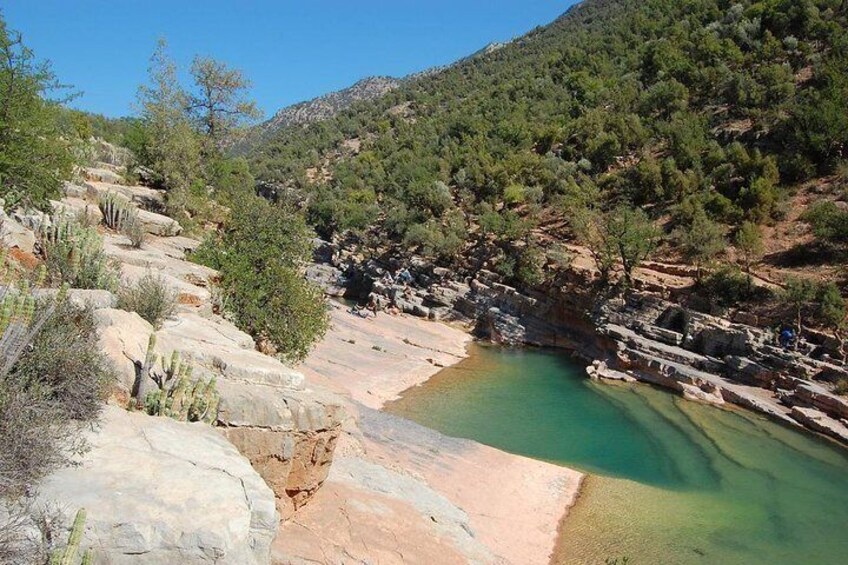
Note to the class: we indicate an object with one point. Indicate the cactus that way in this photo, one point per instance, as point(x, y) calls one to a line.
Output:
point(177, 396)
point(120, 215)
point(115, 210)
point(74, 254)
point(19, 321)
point(68, 556)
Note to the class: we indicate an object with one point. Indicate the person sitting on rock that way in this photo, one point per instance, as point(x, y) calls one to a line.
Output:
point(787, 338)
point(387, 279)
point(404, 276)
point(373, 306)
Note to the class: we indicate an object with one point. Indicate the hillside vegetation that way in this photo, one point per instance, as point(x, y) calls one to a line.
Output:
point(710, 115)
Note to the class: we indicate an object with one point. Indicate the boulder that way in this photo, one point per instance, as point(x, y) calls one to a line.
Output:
point(76, 207)
point(147, 198)
point(72, 190)
point(123, 339)
point(14, 234)
point(288, 436)
point(157, 224)
point(102, 175)
point(157, 491)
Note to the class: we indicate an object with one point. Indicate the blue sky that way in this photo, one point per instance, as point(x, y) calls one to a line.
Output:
point(292, 50)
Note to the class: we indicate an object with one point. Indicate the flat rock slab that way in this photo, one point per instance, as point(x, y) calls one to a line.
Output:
point(158, 255)
point(373, 360)
point(148, 198)
point(222, 348)
point(160, 491)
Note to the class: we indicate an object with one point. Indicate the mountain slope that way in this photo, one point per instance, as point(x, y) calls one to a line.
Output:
point(681, 108)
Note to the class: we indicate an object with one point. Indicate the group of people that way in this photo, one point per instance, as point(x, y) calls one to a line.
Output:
point(401, 276)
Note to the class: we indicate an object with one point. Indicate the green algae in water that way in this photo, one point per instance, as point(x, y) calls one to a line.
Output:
point(672, 481)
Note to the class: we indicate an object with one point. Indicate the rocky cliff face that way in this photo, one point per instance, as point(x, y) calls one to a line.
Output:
point(639, 337)
point(160, 491)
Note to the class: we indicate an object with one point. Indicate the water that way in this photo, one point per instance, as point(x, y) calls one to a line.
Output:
point(671, 481)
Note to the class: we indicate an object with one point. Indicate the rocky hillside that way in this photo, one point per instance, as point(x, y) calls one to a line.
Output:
point(318, 109)
point(698, 114)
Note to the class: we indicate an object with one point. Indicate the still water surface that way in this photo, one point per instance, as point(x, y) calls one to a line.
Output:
point(671, 481)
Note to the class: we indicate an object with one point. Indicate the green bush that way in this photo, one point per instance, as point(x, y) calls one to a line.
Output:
point(150, 297)
point(725, 287)
point(829, 222)
point(74, 255)
point(53, 378)
point(34, 156)
point(260, 254)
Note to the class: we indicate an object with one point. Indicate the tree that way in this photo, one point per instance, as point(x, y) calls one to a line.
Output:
point(799, 294)
point(749, 242)
point(260, 255)
point(632, 234)
point(219, 103)
point(702, 241)
point(34, 159)
point(624, 236)
point(170, 145)
point(832, 312)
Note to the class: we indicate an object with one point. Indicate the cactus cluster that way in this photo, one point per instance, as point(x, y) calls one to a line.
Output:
point(19, 321)
point(74, 255)
point(120, 215)
point(178, 396)
point(68, 556)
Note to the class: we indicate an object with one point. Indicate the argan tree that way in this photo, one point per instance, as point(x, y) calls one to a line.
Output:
point(34, 159)
point(219, 102)
point(170, 146)
point(701, 241)
point(749, 242)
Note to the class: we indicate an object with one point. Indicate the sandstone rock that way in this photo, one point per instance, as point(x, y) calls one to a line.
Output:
point(76, 207)
point(288, 436)
point(159, 255)
point(820, 422)
point(72, 190)
point(221, 348)
point(198, 295)
point(102, 175)
point(123, 338)
point(157, 224)
point(160, 491)
point(16, 235)
point(147, 198)
point(82, 298)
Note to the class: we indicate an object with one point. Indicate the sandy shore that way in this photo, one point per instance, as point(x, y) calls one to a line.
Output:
point(402, 493)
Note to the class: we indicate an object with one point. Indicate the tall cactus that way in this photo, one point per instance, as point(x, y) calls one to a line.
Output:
point(121, 215)
point(68, 556)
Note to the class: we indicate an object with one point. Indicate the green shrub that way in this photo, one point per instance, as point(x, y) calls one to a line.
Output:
point(52, 381)
point(725, 287)
point(74, 255)
point(34, 156)
point(829, 222)
point(260, 255)
point(150, 297)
